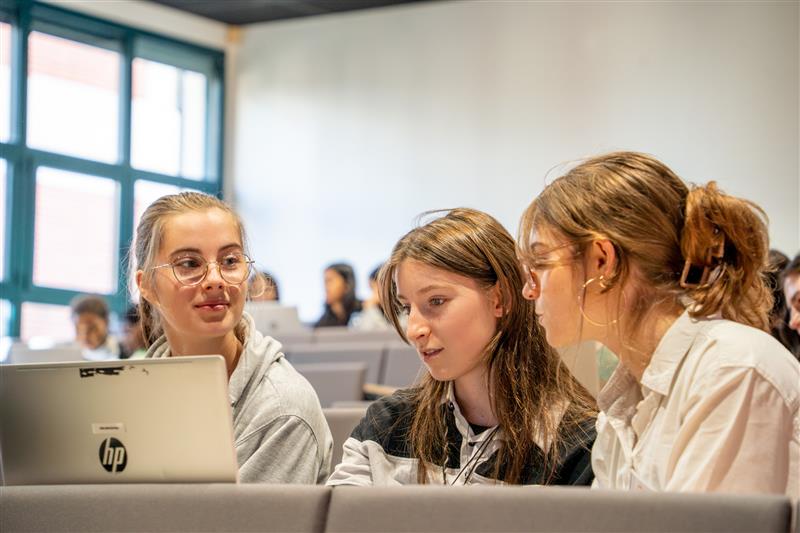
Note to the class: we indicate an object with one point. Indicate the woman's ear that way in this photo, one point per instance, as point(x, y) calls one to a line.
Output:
point(601, 259)
point(497, 300)
point(144, 287)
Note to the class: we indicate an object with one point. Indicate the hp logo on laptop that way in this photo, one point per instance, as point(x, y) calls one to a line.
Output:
point(112, 455)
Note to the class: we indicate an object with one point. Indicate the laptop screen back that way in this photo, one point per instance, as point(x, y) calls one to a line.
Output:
point(273, 319)
point(153, 420)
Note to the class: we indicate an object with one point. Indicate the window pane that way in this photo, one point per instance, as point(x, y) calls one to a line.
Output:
point(75, 247)
point(3, 215)
point(147, 192)
point(144, 194)
point(5, 81)
point(73, 98)
point(169, 119)
point(46, 321)
point(5, 329)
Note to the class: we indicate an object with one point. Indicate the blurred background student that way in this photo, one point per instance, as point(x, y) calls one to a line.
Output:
point(132, 340)
point(790, 280)
point(270, 292)
point(90, 316)
point(371, 316)
point(780, 314)
point(340, 296)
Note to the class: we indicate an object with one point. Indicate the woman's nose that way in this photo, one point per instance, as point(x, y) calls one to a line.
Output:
point(794, 319)
point(417, 326)
point(213, 276)
point(530, 291)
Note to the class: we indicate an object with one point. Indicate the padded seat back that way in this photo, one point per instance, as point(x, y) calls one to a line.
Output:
point(342, 421)
point(221, 507)
point(335, 382)
point(551, 509)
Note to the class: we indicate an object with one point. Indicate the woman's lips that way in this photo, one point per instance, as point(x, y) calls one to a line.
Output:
point(431, 353)
point(213, 306)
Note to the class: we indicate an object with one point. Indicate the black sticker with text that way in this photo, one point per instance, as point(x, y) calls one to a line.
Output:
point(104, 370)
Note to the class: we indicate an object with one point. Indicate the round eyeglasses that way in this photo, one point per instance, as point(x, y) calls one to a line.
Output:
point(540, 262)
point(190, 270)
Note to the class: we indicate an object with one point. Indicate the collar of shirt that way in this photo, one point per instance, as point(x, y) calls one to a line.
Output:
point(670, 352)
point(621, 398)
point(465, 429)
point(660, 372)
point(462, 424)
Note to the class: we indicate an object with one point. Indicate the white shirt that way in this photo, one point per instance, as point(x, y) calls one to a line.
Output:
point(718, 409)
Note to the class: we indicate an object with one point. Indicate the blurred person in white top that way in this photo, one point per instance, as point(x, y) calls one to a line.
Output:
point(670, 278)
point(90, 315)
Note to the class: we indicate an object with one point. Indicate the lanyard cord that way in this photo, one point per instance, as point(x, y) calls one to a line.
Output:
point(473, 460)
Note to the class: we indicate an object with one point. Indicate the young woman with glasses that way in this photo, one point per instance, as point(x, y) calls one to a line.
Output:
point(496, 404)
point(670, 278)
point(192, 270)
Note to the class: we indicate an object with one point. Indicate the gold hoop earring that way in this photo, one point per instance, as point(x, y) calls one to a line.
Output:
point(582, 300)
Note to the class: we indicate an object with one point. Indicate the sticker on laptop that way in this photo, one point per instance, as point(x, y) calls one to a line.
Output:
point(113, 455)
point(115, 427)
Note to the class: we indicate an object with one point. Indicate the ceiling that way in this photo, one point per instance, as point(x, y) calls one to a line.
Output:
point(238, 12)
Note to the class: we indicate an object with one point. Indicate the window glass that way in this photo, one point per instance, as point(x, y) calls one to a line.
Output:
point(147, 192)
point(5, 81)
point(3, 215)
point(169, 119)
point(46, 322)
point(5, 329)
point(75, 232)
point(73, 98)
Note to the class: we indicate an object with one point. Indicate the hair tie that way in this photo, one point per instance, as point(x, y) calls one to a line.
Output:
point(713, 257)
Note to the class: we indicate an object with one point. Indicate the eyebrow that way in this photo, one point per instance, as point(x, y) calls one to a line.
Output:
point(427, 288)
point(197, 250)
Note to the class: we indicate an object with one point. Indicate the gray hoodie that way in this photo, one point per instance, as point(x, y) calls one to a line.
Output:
point(279, 431)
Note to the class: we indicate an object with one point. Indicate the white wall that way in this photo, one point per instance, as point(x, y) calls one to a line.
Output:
point(348, 126)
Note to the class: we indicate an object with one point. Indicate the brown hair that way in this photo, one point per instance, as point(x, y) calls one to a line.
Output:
point(660, 226)
point(148, 243)
point(527, 379)
point(89, 303)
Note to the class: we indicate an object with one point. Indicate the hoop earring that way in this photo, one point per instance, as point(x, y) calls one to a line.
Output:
point(582, 300)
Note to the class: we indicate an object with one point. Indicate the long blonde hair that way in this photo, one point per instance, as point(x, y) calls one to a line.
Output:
point(149, 234)
point(527, 378)
point(662, 227)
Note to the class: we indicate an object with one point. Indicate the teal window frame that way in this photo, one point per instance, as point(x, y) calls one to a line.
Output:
point(22, 161)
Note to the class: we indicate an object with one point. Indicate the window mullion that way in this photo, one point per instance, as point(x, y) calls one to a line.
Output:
point(125, 211)
point(21, 192)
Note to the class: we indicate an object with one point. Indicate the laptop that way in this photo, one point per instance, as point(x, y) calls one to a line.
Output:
point(21, 353)
point(140, 421)
point(275, 319)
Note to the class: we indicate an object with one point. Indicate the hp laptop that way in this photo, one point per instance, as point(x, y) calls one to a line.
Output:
point(141, 421)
